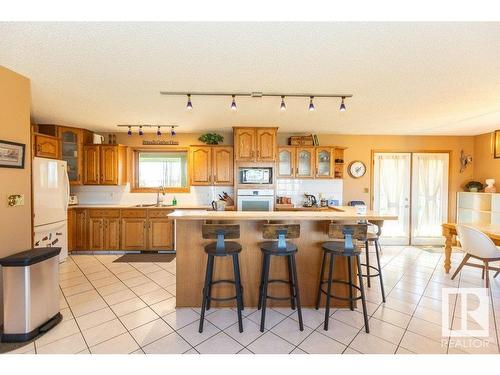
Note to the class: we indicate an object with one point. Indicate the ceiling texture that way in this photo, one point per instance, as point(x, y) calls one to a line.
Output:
point(406, 78)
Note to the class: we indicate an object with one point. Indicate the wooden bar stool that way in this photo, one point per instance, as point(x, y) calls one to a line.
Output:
point(221, 248)
point(374, 238)
point(280, 248)
point(344, 246)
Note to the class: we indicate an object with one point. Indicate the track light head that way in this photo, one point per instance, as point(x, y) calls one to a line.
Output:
point(189, 105)
point(141, 133)
point(342, 105)
point(172, 132)
point(311, 104)
point(129, 130)
point(283, 105)
point(158, 132)
point(233, 103)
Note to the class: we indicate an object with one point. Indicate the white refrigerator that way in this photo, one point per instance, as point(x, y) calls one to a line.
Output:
point(50, 204)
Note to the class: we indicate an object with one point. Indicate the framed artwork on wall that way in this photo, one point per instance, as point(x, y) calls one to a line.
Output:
point(11, 154)
point(496, 144)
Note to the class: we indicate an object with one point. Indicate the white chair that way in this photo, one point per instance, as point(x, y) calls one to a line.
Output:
point(477, 245)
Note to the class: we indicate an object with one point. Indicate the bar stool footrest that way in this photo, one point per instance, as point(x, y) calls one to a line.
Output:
point(341, 282)
point(280, 298)
point(373, 268)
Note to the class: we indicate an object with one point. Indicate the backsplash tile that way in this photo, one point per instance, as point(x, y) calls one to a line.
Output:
point(296, 188)
point(121, 195)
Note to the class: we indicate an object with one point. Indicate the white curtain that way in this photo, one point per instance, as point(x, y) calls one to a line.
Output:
point(430, 194)
point(391, 191)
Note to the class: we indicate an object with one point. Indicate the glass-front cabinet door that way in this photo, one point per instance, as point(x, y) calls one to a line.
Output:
point(324, 162)
point(305, 162)
point(286, 162)
point(71, 152)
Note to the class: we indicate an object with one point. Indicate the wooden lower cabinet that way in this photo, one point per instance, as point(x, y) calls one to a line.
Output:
point(120, 229)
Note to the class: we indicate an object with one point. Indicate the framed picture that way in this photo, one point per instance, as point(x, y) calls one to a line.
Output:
point(496, 144)
point(11, 154)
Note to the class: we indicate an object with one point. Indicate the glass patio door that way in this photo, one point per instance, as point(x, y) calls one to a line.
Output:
point(429, 202)
point(391, 195)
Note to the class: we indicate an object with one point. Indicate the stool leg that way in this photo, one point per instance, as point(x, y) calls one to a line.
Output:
point(297, 293)
point(349, 271)
point(261, 287)
point(291, 281)
point(209, 300)
point(328, 293)
point(362, 289)
point(377, 249)
point(241, 286)
point(320, 284)
point(367, 264)
point(237, 287)
point(267, 261)
point(206, 297)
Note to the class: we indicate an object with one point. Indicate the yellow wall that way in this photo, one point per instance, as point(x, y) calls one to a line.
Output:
point(15, 222)
point(485, 165)
point(359, 147)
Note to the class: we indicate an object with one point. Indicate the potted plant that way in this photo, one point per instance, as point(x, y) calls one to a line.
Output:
point(211, 138)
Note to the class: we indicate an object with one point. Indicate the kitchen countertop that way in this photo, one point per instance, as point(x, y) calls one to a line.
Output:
point(341, 213)
point(118, 206)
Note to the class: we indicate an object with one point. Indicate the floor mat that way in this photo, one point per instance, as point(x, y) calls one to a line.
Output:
point(141, 258)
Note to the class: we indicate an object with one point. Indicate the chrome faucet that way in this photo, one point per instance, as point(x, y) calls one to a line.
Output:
point(161, 190)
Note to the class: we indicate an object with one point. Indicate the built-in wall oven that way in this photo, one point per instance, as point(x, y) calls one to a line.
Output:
point(256, 175)
point(255, 200)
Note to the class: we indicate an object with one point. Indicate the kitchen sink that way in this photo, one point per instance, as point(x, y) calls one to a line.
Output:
point(153, 205)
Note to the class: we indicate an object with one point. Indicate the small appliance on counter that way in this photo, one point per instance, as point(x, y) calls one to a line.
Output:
point(73, 200)
point(310, 201)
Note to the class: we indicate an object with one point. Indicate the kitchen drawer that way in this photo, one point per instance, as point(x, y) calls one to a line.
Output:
point(159, 212)
point(134, 213)
point(107, 212)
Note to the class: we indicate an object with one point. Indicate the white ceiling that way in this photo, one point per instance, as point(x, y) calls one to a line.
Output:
point(406, 78)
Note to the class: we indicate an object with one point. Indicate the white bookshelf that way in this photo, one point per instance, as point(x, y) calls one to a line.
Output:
point(478, 208)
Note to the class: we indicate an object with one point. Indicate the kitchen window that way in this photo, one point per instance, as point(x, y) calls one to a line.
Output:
point(153, 169)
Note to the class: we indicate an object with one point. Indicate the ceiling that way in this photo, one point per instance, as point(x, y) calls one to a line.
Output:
point(406, 78)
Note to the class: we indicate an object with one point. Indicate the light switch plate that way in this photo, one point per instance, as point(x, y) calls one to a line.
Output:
point(15, 200)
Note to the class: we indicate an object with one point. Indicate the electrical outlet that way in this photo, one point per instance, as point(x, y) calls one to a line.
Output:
point(15, 200)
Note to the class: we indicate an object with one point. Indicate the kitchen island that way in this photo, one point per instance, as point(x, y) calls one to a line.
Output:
point(191, 259)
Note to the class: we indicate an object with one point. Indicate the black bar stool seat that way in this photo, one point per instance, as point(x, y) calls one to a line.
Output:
point(344, 245)
point(231, 248)
point(279, 248)
point(222, 248)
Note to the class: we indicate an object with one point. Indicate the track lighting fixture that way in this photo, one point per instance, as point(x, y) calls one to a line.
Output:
point(342, 105)
point(158, 128)
point(283, 106)
point(233, 95)
point(311, 104)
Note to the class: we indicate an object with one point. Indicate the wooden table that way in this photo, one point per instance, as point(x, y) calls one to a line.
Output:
point(449, 230)
point(191, 259)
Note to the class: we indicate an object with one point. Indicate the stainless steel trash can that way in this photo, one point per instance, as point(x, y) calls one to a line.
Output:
point(30, 293)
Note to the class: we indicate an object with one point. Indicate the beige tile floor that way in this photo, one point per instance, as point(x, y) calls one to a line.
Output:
point(130, 308)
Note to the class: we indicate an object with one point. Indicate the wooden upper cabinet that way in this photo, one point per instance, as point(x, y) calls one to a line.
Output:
point(266, 144)
point(255, 144)
point(91, 165)
point(211, 165)
point(72, 152)
point(245, 144)
point(222, 166)
point(104, 164)
point(46, 146)
point(200, 165)
point(324, 162)
point(305, 166)
point(286, 162)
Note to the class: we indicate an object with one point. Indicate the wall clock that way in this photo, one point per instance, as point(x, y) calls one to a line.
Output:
point(356, 169)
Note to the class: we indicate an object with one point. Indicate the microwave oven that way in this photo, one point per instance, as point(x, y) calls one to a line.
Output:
point(256, 175)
